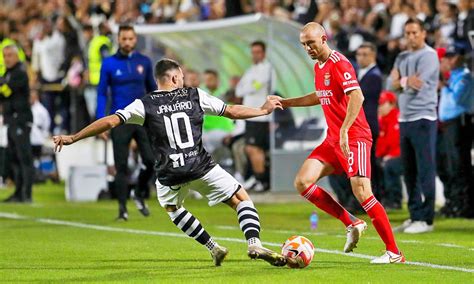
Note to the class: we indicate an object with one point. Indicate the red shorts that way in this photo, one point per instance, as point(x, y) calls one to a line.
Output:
point(358, 162)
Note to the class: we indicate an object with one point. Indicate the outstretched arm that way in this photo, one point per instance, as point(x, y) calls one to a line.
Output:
point(244, 112)
point(310, 99)
point(92, 129)
point(356, 98)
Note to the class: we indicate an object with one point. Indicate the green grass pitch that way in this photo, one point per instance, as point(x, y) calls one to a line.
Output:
point(55, 241)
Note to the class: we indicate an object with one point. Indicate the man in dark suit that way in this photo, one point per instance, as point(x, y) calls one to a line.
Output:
point(370, 81)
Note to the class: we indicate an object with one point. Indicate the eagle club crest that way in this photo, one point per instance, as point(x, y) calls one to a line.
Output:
point(140, 69)
point(327, 79)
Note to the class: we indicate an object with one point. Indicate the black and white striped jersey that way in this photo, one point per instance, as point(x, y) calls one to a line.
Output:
point(173, 120)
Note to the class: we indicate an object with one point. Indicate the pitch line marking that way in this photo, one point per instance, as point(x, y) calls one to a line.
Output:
point(343, 236)
point(235, 240)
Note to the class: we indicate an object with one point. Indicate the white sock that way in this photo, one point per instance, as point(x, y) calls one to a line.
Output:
point(254, 242)
point(210, 244)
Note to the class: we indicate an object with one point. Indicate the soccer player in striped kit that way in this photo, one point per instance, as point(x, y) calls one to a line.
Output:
point(172, 117)
point(347, 145)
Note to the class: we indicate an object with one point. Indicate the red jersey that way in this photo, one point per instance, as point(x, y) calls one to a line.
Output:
point(388, 142)
point(332, 80)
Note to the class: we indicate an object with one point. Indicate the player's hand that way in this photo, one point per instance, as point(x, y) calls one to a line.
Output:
point(271, 104)
point(61, 140)
point(344, 143)
point(415, 82)
point(277, 98)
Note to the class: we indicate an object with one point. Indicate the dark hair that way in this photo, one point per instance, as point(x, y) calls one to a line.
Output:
point(211, 71)
point(415, 21)
point(163, 66)
point(125, 28)
point(87, 27)
point(259, 43)
point(368, 45)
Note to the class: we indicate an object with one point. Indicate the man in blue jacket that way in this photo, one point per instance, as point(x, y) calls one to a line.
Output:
point(456, 136)
point(129, 75)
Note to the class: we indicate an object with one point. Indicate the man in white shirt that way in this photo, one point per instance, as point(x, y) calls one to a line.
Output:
point(47, 58)
point(256, 84)
point(40, 128)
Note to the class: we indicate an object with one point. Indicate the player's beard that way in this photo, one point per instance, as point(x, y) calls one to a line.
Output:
point(127, 49)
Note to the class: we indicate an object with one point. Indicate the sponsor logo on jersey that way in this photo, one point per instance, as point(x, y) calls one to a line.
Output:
point(349, 82)
point(324, 93)
point(179, 106)
point(327, 79)
point(324, 96)
point(347, 75)
point(118, 72)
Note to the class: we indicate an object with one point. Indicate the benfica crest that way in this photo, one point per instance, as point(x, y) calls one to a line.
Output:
point(327, 79)
point(140, 69)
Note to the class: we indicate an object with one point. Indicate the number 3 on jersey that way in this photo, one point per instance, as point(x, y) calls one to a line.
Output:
point(174, 136)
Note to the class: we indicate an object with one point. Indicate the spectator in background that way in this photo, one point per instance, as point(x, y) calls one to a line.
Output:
point(235, 8)
point(304, 11)
point(129, 75)
point(456, 132)
point(370, 80)
point(236, 140)
point(5, 41)
point(90, 92)
point(100, 47)
point(164, 10)
point(47, 59)
point(215, 128)
point(464, 23)
point(39, 130)
point(188, 11)
point(445, 23)
point(229, 95)
point(401, 12)
point(388, 150)
point(415, 74)
point(256, 84)
point(339, 35)
point(14, 94)
point(192, 78)
point(71, 38)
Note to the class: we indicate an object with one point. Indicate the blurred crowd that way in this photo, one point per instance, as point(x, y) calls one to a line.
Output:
point(63, 41)
point(56, 36)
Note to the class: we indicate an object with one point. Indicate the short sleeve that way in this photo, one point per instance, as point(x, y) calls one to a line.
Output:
point(345, 76)
point(134, 113)
point(210, 104)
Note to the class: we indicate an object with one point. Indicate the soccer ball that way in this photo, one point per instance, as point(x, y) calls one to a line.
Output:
point(300, 249)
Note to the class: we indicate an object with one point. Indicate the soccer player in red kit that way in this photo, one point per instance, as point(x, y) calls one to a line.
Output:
point(346, 148)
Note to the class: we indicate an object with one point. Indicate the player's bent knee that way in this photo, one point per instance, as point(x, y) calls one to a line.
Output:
point(239, 196)
point(301, 183)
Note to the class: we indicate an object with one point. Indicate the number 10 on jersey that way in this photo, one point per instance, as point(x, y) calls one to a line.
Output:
point(174, 135)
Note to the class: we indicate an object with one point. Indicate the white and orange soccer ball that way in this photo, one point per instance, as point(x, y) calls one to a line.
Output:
point(299, 249)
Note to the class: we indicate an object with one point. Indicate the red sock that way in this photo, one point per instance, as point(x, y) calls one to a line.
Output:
point(381, 223)
point(319, 197)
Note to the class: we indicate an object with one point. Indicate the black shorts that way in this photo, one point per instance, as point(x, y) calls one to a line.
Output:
point(257, 134)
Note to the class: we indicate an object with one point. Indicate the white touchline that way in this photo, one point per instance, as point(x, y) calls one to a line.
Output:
point(343, 236)
point(166, 234)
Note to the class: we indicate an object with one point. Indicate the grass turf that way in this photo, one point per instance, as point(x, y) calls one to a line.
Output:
point(34, 250)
